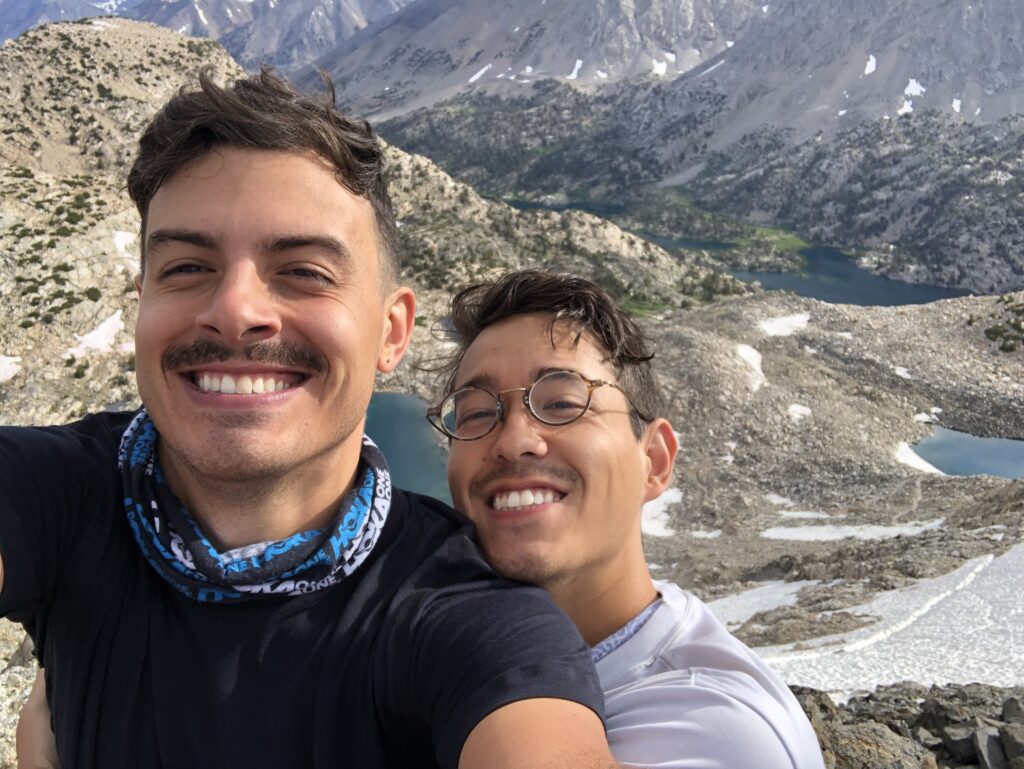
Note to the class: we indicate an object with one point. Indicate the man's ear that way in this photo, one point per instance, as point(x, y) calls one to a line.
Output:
point(660, 446)
point(398, 324)
point(138, 283)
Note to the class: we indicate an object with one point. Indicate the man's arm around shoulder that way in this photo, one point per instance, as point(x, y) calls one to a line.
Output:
point(540, 733)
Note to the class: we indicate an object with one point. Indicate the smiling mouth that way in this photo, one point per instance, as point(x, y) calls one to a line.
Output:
point(244, 384)
point(517, 500)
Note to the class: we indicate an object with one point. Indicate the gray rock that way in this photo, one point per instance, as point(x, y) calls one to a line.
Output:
point(1013, 710)
point(958, 739)
point(872, 745)
point(1012, 736)
point(989, 749)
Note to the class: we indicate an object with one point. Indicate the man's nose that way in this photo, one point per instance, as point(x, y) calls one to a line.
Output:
point(519, 433)
point(242, 306)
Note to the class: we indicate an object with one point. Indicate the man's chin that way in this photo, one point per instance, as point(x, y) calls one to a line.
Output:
point(533, 570)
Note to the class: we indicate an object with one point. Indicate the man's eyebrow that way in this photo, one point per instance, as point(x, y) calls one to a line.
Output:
point(488, 382)
point(484, 381)
point(158, 238)
point(331, 245)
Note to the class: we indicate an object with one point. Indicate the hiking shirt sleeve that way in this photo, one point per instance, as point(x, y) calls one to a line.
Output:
point(51, 481)
point(477, 645)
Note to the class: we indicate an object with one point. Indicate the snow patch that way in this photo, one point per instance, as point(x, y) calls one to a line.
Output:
point(906, 455)
point(527, 70)
point(669, 55)
point(914, 88)
point(907, 108)
point(901, 372)
point(753, 359)
point(202, 16)
point(601, 74)
point(9, 367)
point(866, 532)
point(956, 106)
point(654, 519)
point(961, 627)
point(712, 68)
point(575, 70)
point(977, 112)
point(122, 240)
point(871, 66)
point(786, 325)
point(729, 43)
point(798, 412)
point(659, 67)
point(841, 112)
point(764, 8)
point(925, 419)
point(100, 339)
point(734, 610)
point(480, 73)
point(706, 534)
point(779, 501)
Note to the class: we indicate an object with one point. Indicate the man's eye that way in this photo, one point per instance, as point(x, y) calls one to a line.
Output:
point(309, 274)
point(470, 416)
point(182, 269)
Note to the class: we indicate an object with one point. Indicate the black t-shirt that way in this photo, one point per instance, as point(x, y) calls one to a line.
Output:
point(393, 667)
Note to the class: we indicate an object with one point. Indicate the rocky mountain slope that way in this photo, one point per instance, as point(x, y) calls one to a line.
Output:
point(286, 34)
point(773, 129)
point(435, 48)
point(929, 198)
point(283, 34)
point(783, 404)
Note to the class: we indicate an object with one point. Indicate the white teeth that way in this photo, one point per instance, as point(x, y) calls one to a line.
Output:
point(525, 498)
point(243, 385)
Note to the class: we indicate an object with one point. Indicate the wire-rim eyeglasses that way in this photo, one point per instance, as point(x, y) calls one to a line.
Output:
point(555, 398)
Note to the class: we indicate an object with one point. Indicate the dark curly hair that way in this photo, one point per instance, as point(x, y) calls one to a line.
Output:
point(566, 298)
point(264, 112)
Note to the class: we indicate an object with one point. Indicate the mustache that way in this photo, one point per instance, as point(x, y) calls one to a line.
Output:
point(204, 351)
point(512, 472)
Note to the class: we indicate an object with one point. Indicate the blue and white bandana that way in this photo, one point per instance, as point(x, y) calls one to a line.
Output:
point(312, 560)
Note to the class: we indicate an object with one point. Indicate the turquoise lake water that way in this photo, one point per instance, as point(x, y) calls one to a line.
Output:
point(961, 454)
point(832, 277)
point(397, 424)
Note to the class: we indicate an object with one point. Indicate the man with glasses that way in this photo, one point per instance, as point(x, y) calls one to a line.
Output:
point(557, 440)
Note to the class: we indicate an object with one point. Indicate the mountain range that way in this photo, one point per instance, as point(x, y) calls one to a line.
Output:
point(771, 113)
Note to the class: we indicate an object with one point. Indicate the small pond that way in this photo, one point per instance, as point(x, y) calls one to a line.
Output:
point(956, 453)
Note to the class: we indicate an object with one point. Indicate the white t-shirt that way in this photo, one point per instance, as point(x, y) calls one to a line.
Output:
point(685, 694)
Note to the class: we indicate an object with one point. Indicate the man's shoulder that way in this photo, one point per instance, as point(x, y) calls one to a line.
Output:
point(689, 677)
point(103, 428)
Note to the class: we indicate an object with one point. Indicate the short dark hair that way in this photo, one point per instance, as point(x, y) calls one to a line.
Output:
point(265, 112)
point(567, 298)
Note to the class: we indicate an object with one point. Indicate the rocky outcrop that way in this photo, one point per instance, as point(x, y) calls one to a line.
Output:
point(908, 726)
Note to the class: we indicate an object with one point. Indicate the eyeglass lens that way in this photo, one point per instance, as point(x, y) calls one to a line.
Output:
point(556, 398)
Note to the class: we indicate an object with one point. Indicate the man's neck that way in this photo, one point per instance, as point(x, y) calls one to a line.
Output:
point(602, 602)
point(236, 512)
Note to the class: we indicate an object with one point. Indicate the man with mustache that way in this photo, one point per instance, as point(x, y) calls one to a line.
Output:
point(227, 577)
point(557, 440)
